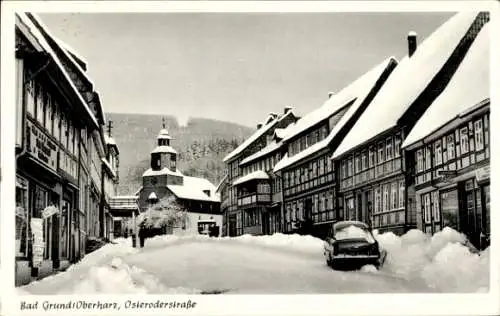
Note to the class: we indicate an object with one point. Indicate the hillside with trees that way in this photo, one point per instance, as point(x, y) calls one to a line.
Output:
point(201, 145)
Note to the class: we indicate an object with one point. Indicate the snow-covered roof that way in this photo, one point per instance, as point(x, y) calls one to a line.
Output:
point(109, 140)
point(163, 134)
point(256, 175)
point(468, 87)
point(280, 133)
point(193, 188)
point(224, 179)
point(70, 49)
point(164, 171)
point(407, 81)
point(359, 90)
point(261, 131)
point(152, 196)
point(42, 41)
point(164, 149)
point(108, 166)
point(271, 147)
point(67, 51)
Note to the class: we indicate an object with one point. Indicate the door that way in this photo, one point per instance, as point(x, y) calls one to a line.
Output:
point(265, 223)
point(232, 225)
point(359, 207)
point(367, 207)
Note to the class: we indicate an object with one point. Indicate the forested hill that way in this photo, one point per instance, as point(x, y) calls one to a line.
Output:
point(201, 144)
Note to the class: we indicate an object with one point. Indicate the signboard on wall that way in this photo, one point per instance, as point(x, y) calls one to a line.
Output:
point(483, 174)
point(49, 211)
point(41, 146)
point(38, 242)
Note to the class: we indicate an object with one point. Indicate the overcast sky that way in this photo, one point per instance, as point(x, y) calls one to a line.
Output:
point(228, 66)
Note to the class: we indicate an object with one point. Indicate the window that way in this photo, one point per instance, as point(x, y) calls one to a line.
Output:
point(30, 97)
point(394, 199)
point(321, 162)
point(364, 161)
point(377, 200)
point(401, 193)
point(21, 217)
point(371, 160)
point(381, 157)
point(478, 134)
point(315, 169)
point(385, 201)
point(349, 167)
point(397, 145)
point(39, 104)
point(356, 164)
point(64, 130)
point(426, 205)
point(450, 143)
point(438, 154)
point(388, 148)
point(57, 122)
point(46, 111)
point(343, 171)
point(428, 155)
point(435, 206)
point(464, 141)
point(420, 161)
point(329, 164)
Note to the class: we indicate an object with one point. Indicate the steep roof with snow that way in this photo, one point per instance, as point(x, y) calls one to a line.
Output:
point(46, 46)
point(271, 147)
point(163, 134)
point(108, 167)
point(407, 81)
point(109, 140)
point(193, 188)
point(256, 175)
point(164, 171)
point(468, 87)
point(67, 51)
point(357, 91)
point(255, 136)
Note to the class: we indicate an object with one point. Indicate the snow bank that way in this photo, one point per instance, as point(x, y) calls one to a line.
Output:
point(294, 242)
point(447, 262)
point(120, 278)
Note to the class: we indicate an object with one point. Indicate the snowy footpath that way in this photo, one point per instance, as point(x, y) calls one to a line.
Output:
point(280, 264)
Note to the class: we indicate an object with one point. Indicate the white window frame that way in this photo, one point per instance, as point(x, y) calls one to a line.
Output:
point(401, 195)
point(438, 153)
point(464, 141)
point(478, 134)
point(394, 198)
point(385, 198)
point(420, 160)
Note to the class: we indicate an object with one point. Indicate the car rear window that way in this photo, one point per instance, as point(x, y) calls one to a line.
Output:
point(353, 232)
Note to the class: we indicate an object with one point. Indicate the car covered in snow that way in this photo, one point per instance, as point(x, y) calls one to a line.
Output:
point(351, 244)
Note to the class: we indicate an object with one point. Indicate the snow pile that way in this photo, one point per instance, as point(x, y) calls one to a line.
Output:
point(120, 278)
point(294, 242)
point(437, 260)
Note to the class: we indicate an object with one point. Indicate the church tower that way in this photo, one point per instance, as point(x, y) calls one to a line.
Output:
point(163, 156)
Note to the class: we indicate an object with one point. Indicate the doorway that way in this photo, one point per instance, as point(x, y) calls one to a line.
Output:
point(232, 226)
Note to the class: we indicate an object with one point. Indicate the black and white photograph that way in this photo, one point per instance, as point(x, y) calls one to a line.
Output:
point(190, 154)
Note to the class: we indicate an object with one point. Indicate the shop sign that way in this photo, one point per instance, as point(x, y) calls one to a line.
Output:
point(483, 174)
point(41, 146)
point(38, 242)
point(49, 211)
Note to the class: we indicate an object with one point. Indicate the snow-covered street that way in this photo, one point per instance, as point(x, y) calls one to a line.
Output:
point(281, 264)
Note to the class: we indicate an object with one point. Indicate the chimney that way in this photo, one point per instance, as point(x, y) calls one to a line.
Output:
point(330, 94)
point(259, 125)
point(412, 43)
point(287, 109)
